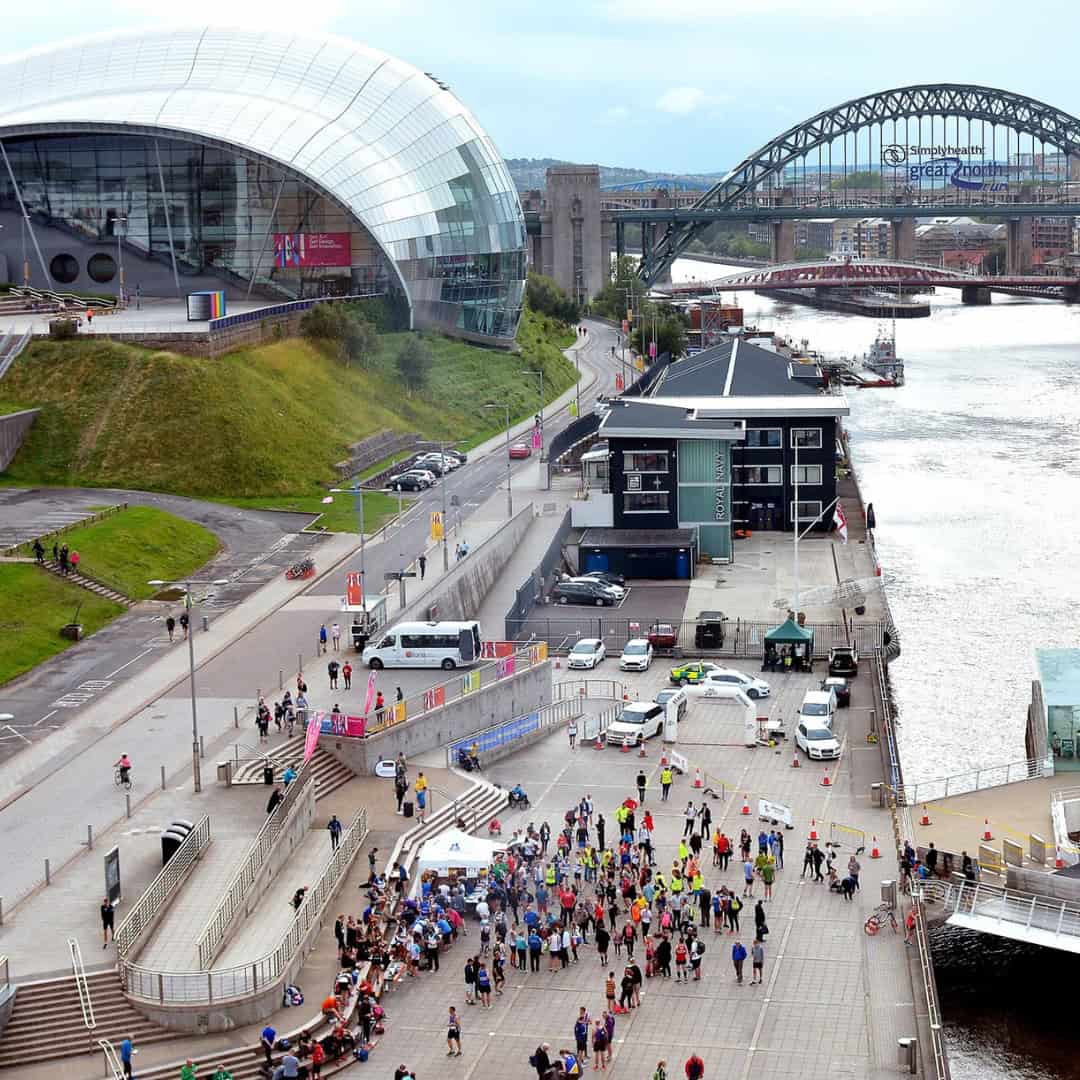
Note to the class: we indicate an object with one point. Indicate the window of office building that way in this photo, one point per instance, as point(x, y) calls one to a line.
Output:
point(806, 474)
point(764, 438)
point(809, 510)
point(645, 502)
point(758, 474)
point(645, 461)
point(806, 438)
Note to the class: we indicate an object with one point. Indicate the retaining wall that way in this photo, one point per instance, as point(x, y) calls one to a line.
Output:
point(513, 696)
point(13, 429)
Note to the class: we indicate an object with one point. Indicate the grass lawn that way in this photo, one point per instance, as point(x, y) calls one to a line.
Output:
point(338, 516)
point(129, 548)
point(33, 606)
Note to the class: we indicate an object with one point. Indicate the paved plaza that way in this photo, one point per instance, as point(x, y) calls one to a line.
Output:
point(834, 1000)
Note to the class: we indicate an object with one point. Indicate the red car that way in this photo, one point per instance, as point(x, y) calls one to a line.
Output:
point(521, 450)
point(663, 636)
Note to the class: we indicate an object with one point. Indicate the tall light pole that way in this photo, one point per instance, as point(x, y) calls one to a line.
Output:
point(196, 770)
point(509, 493)
point(445, 523)
point(538, 371)
point(358, 494)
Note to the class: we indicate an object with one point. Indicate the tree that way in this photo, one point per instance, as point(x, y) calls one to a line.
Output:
point(414, 363)
point(544, 295)
point(625, 290)
point(670, 330)
point(360, 343)
point(861, 179)
point(354, 339)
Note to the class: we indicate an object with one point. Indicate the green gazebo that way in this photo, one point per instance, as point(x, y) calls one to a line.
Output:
point(798, 638)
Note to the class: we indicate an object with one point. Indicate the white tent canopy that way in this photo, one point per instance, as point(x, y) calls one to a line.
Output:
point(457, 850)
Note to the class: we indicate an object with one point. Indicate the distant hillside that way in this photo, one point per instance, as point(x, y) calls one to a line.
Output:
point(529, 173)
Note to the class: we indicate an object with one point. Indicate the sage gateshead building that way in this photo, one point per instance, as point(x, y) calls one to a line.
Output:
point(264, 164)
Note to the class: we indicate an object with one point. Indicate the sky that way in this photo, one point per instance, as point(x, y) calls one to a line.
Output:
point(664, 85)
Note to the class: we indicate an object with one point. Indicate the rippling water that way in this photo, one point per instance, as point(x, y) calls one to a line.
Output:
point(973, 468)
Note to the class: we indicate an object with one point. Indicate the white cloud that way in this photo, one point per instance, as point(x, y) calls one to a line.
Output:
point(681, 100)
point(697, 10)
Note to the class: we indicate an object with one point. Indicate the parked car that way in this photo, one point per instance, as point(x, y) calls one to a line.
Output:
point(616, 590)
point(433, 466)
point(816, 741)
point(407, 481)
point(676, 694)
point(663, 636)
point(582, 592)
point(606, 576)
point(520, 450)
point(844, 660)
point(692, 672)
point(636, 655)
point(587, 653)
point(818, 708)
point(709, 632)
point(458, 455)
point(753, 688)
point(445, 461)
point(637, 720)
point(840, 687)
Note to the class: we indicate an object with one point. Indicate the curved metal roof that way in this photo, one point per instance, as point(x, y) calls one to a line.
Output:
point(371, 130)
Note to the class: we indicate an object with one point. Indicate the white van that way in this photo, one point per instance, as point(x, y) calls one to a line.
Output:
point(445, 645)
point(818, 709)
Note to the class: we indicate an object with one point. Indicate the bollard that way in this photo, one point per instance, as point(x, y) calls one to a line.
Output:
point(236, 716)
point(205, 623)
point(2, 914)
point(127, 803)
point(162, 777)
point(48, 878)
point(90, 837)
point(202, 748)
point(280, 679)
point(299, 662)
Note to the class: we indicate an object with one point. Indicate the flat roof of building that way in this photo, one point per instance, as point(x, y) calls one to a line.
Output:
point(637, 538)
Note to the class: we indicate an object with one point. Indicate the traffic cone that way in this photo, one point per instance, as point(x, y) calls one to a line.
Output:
point(641, 749)
point(663, 759)
point(599, 744)
point(925, 819)
point(558, 664)
point(1059, 862)
point(877, 569)
point(874, 853)
point(987, 835)
point(697, 778)
point(813, 829)
point(745, 805)
point(625, 748)
point(826, 782)
point(795, 762)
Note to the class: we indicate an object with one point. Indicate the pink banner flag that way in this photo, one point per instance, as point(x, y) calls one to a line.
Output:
point(370, 692)
point(311, 740)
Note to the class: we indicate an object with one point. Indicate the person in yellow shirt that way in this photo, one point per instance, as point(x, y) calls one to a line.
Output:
point(421, 787)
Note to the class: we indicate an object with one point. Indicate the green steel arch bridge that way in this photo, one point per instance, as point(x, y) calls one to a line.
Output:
point(916, 151)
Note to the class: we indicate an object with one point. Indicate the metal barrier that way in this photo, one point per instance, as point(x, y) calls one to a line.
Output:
point(933, 1008)
point(292, 307)
point(160, 891)
point(64, 298)
point(509, 731)
point(974, 780)
point(10, 350)
point(186, 988)
point(236, 891)
point(81, 984)
point(1029, 911)
point(113, 1064)
point(5, 966)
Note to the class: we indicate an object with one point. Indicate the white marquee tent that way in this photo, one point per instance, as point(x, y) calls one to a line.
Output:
point(457, 850)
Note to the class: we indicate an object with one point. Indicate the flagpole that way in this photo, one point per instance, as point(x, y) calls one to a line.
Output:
point(796, 522)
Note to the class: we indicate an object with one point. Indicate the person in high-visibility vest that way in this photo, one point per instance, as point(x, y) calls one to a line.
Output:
point(666, 776)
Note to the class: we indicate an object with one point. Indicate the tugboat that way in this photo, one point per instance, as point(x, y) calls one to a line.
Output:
point(883, 361)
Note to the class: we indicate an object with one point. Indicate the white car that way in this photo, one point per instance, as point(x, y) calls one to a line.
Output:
point(816, 741)
point(818, 708)
point(638, 720)
point(587, 653)
point(751, 687)
point(616, 591)
point(636, 655)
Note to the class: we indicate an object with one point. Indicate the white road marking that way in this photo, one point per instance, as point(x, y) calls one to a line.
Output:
point(128, 664)
point(44, 718)
point(17, 733)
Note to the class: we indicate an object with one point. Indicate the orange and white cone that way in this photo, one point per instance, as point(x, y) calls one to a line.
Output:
point(813, 830)
point(795, 763)
point(874, 853)
point(826, 782)
point(987, 834)
point(1059, 862)
point(697, 778)
point(745, 805)
point(599, 744)
point(925, 819)
point(625, 748)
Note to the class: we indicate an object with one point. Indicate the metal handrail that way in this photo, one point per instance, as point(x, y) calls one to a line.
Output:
point(159, 892)
point(974, 780)
point(547, 716)
point(6, 967)
point(933, 1008)
point(81, 985)
point(187, 988)
point(967, 896)
point(213, 933)
point(112, 1062)
point(64, 298)
point(10, 352)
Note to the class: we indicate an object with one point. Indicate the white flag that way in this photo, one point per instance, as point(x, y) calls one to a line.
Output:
point(840, 521)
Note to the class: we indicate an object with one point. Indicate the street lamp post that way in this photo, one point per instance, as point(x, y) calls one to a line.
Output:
point(537, 371)
point(445, 523)
point(117, 221)
point(358, 494)
point(196, 770)
point(509, 493)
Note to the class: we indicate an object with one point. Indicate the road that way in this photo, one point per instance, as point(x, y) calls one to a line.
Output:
point(258, 547)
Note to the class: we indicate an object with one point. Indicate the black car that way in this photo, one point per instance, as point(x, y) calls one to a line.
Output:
point(709, 632)
point(457, 455)
point(433, 465)
point(582, 592)
point(407, 482)
point(607, 577)
point(844, 661)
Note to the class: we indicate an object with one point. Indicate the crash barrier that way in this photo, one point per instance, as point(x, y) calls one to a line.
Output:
point(844, 836)
point(205, 988)
point(562, 625)
point(295, 800)
point(500, 737)
point(145, 912)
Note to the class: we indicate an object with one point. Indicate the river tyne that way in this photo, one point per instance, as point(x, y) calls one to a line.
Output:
point(973, 468)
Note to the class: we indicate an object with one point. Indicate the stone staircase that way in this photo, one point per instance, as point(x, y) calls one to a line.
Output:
point(47, 1021)
point(329, 773)
point(85, 582)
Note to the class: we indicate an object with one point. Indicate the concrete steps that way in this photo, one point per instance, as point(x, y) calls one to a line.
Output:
point(88, 583)
point(330, 774)
point(47, 1021)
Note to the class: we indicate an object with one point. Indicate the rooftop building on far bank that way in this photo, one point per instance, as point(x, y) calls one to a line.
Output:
point(260, 163)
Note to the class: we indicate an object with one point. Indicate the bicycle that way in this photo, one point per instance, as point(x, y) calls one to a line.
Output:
point(122, 781)
point(883, 914)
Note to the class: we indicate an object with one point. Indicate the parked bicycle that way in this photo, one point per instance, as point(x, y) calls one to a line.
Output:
point(305, 568)
point(882, 915)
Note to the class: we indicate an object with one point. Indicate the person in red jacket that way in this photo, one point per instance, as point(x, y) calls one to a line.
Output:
point(695, 1068)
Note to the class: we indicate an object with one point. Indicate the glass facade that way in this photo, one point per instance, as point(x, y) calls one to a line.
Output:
point(705, 493)
point(314, 162)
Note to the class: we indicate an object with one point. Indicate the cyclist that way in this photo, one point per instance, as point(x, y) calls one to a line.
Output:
point(124, 765)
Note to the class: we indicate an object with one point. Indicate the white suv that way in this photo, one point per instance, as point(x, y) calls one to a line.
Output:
point(751, 687)
point(636, 655)
point(639, 720)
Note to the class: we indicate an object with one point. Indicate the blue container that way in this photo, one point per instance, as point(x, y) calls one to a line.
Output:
point(682, 564)
point(597, 560)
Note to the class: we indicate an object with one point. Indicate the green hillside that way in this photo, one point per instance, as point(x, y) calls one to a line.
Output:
point(258, 423)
